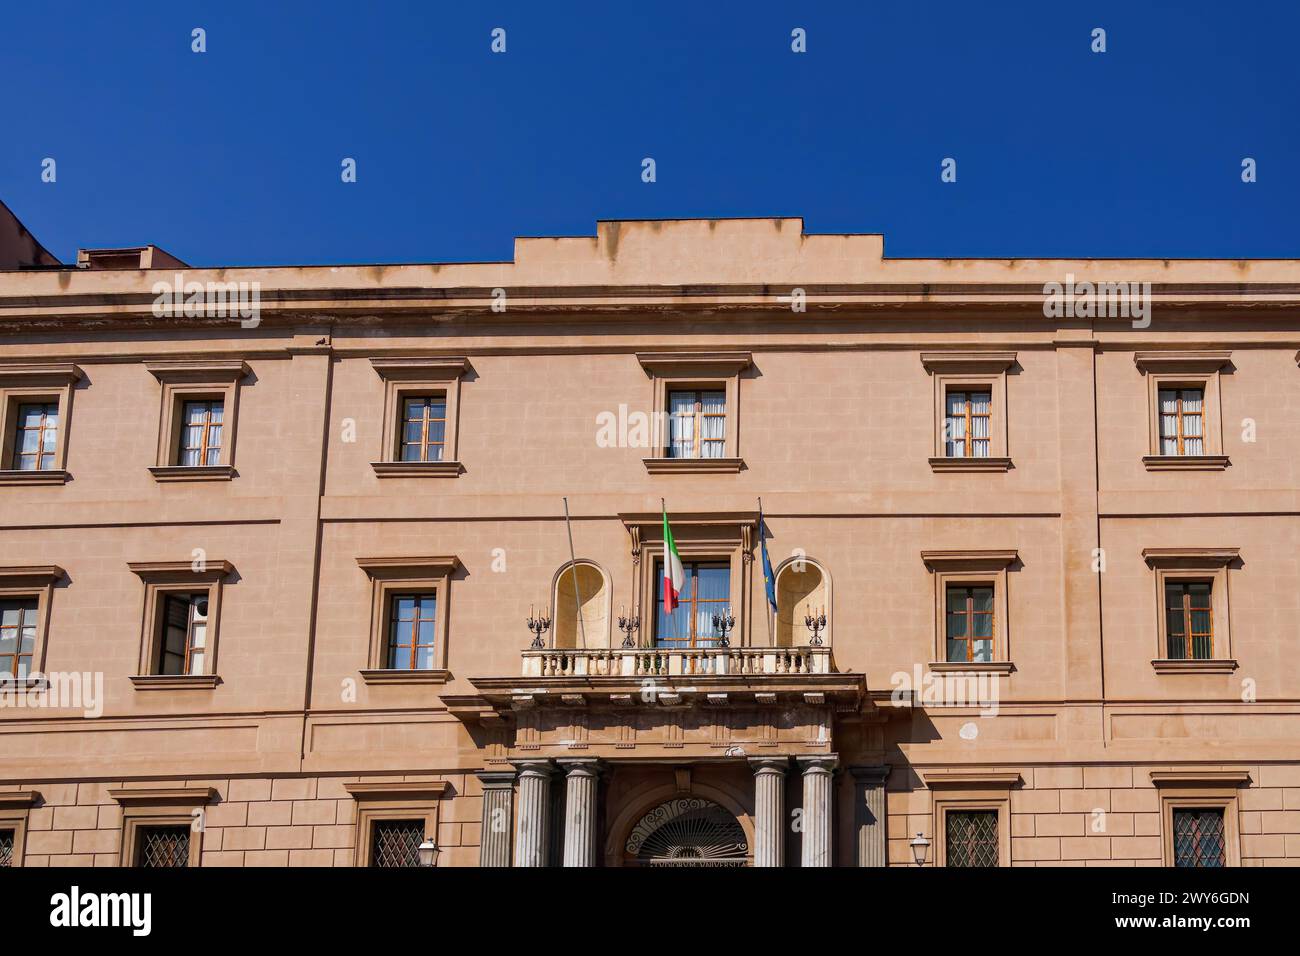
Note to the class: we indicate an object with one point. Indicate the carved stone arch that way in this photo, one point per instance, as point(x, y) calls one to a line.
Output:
point(621, 825)
point(796, 592)
point(596, 591)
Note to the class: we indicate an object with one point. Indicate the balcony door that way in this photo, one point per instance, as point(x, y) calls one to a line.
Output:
point(706, 590)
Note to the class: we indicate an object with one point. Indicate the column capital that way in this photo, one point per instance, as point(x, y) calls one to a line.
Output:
point(874, 775)
point(769, 764)
point(581, 766)
point(818, 763)
point(534, 768)
point(496, 779)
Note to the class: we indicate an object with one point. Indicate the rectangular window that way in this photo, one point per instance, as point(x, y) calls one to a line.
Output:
point(697, 424)
point(162, 847)
point(412, 625)
point(183, 644)
point(36, 437)
point(17, 636)
point(968, 612)
point(971, 838)
point(706, 590)
point(396, 843)
point(966, 424)
point(1198, 837)
point(424, 428)
point(1189, 620)
point(1182, 421)
point(201, 426)
point(6, 848)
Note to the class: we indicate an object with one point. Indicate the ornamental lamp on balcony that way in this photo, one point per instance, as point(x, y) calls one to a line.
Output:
point(428, 851)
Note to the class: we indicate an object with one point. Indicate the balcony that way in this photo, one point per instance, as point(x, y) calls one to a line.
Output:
point(677, 662)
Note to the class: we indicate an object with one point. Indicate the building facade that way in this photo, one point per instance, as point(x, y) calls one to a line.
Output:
point(286, 577)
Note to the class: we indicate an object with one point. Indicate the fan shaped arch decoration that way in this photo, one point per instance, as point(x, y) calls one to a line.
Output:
point(687, 831)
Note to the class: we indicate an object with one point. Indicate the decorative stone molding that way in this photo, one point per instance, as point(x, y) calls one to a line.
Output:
point(987, 568)
point(407, 377)
point(719, 371)
point(991, 779)
point(1182, 363)
point(969, 371)
point(1200, 778)
point(33, 581)
point(25, 383)
point(393, 574)
point(160, 579)
point(1194, 564)
point(1195, 369)
point(160, 796)
point(196, 380)
point(396, 800)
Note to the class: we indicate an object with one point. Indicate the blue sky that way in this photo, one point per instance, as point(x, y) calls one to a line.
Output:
point(233, 156)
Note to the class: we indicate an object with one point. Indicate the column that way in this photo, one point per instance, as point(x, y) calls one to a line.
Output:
point(817, 773)
point(533, 831)
point(498, 798)
point(769, 810)
point(869, 814)
point(581, 780)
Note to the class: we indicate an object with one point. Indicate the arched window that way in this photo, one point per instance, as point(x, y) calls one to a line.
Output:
point(802, 587)
point(593, 595)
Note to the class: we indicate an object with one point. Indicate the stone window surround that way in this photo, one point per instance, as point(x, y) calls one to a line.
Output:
point(727, 537)
point(15, 805)
point(670, 371)
point(1194, 564)
point(33, 581)
point(970, 790)
point(392, 575)
point(408, 800)
point(23, 384)
point(196, 380)
point(972, 568)
point(406, 377)
point(966, 371)
point(161, 578)
point(162, 807)
point(1185, 370)
point(1200, 790)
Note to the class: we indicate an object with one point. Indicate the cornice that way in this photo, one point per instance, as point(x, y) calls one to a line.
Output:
point(1190, 363)
point(400, 566)
point(971, 778)
point(205, 370)
point(420, 368)
point(168, 571)
point(969, 560)
point(189, 796)
point(30, 574)
point(1200, 778)
point(400, 790)
point(54, 374)
point(968, 363)
point(1189, 557)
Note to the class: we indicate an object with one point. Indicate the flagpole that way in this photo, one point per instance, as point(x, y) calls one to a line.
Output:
point(573, 566)
point(767, 610)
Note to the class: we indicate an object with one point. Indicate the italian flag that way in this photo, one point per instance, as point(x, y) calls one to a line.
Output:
point(673, 575)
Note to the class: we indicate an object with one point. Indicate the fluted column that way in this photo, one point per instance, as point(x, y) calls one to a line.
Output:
point(817, 773)
point(533, 832)
point(581, 780)
point(869, 814)
point(769, 810)
point(498, 797)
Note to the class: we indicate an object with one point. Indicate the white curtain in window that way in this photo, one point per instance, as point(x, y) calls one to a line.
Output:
point(713, 406)
point(979, 426)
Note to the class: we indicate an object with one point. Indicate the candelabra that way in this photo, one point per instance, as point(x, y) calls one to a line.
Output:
point(538, 625)
point(629, 625)
point(815, 623)
point(723, 623)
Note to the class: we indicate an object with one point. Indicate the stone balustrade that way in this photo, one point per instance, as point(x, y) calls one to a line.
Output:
point(670, 662)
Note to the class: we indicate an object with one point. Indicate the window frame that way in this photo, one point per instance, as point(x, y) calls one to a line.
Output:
point(24, 583)
point(404, 378)
point(161, 807)
point(970, 614)
point(699, 372)
point(970, 372)
point(1173, 370)
point(166, 578)
point(1191, 565)
point(972, 569)
point(15, 807)
point(196, 381)
point(1195, 789)
point(27, 384)
point(390, 576)
point(965, 790)
point(694, 642)
point(419, 799)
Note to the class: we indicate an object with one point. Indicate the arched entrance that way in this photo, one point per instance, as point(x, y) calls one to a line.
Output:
point(687, 831)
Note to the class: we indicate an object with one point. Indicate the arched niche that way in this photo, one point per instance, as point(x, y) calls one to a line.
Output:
point(802, 586)
point(595, 598)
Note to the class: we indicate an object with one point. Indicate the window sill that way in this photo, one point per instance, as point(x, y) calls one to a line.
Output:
point(971, 667)
point(391, 676)
point(56, 476)
point(970, 464)
point(31, 682)
point(1217, 666)
point(693, 466)
point(175, 681)
point(1185, 462)
point(417, 469)
point(192, 472)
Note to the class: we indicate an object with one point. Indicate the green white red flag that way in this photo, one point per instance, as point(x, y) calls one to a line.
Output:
point(674, 576)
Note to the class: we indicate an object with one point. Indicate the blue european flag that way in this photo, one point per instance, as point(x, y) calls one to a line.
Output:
point(769, 579)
